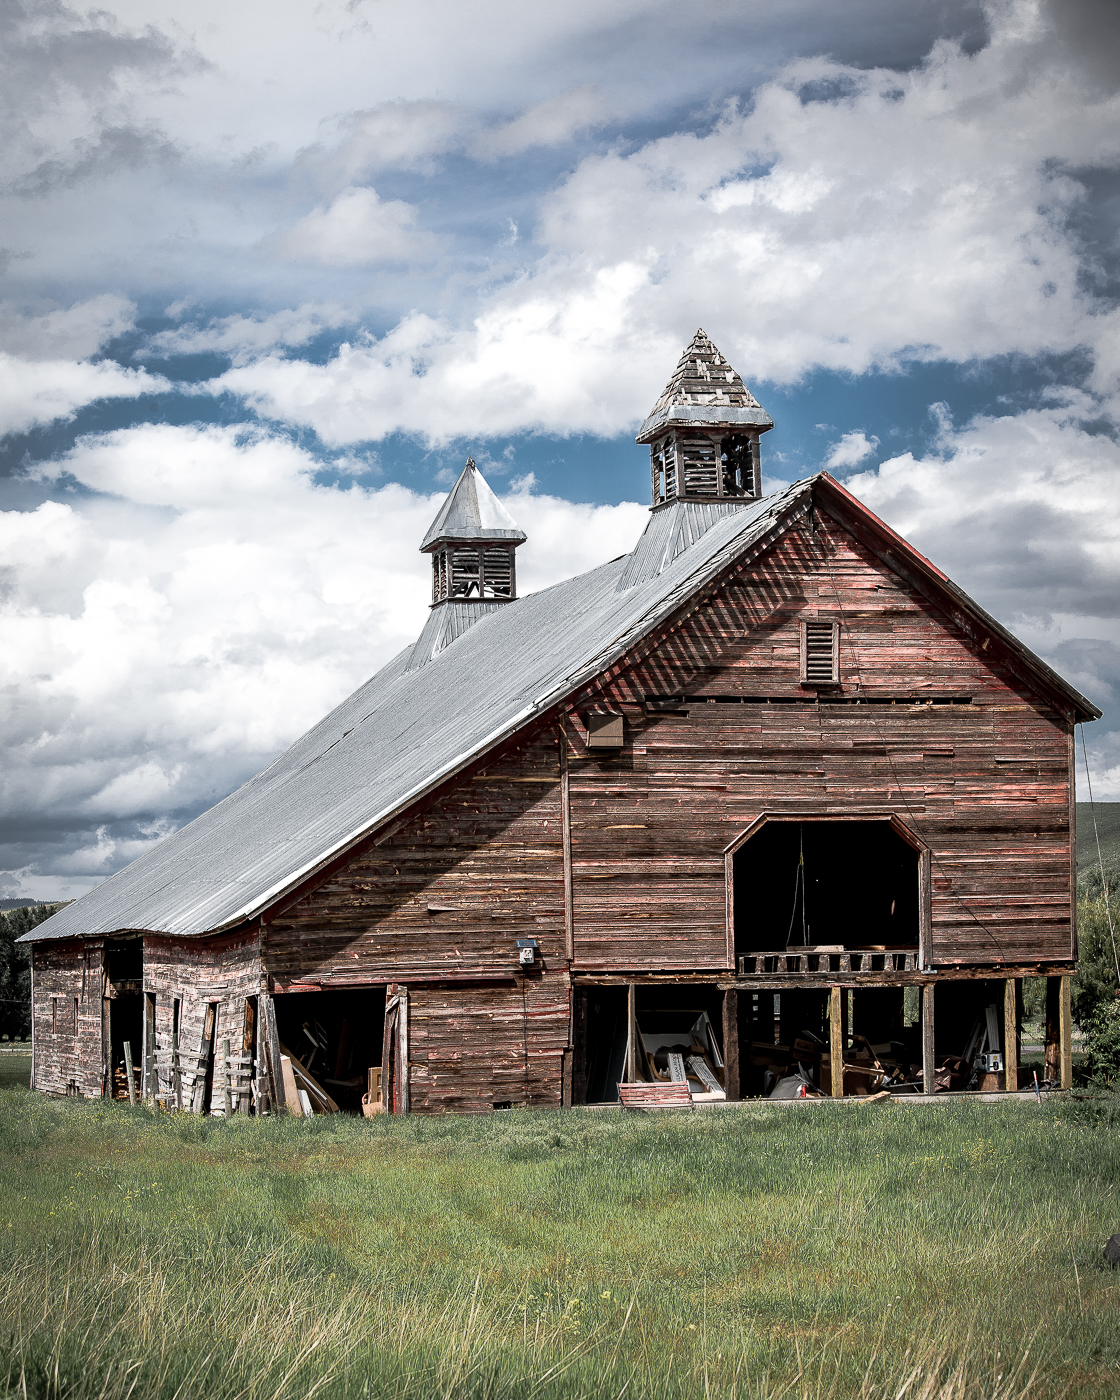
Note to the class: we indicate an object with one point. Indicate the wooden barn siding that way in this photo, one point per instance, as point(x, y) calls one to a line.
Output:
point(473, 1047)
point(225, 970)
point(488, 850)
point(986, 785)
point(65, 973)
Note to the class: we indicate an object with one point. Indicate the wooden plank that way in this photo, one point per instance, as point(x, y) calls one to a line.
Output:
point(836, 1041)
point(566, 831)
point(277, 1084)
point(731, 1043)
point(128, 1072)
point(227, 1097)
point(1010, 1036)
point(929, 1062)
point(291, 1097)
point(1066, 1033)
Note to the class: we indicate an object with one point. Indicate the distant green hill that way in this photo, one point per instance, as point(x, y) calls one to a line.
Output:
point(1108, 828)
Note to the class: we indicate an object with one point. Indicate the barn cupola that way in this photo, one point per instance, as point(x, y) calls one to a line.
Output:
point(472, 542)
point(703, 432)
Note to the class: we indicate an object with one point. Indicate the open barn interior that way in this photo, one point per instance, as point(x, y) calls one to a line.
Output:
point(336, 1037)
point(826, 884)
point(124, 977)
point(678, 1037)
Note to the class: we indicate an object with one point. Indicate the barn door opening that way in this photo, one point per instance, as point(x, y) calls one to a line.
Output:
point(124, 979)
point(826, 885)
point(337, 1039)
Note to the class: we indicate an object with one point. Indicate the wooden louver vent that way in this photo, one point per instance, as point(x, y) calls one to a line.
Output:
point(819, 652)
point(470, 571)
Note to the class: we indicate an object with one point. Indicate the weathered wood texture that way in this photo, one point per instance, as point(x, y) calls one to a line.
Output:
point(474, 1048)
point(224, 971)
point(449, 892)
point(68, 1009)
point(984, 784)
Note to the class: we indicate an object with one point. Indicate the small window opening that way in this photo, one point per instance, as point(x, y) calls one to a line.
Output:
point(819, 652)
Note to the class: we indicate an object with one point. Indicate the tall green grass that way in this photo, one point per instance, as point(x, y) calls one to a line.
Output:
point(761, 1251)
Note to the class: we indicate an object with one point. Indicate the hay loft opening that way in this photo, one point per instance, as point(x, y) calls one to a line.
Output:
point(826, 884)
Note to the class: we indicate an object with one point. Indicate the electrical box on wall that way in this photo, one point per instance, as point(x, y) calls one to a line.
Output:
point(526, 951)
point(604, 731)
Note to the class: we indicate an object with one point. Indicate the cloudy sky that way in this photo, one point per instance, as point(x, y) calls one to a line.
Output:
point(270, 270)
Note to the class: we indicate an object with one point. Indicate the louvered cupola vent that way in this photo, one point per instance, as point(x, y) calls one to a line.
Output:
point(703, 432)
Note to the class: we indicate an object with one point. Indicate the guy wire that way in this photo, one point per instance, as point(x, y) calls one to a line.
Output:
point(890, 762)
point(1100, 858)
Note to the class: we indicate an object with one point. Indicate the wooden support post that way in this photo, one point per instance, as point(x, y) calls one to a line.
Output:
point(176, 1071)
point(929, 1054)
point(836, 1041)
point(631, 1070)
point(731, 1044)
point(227, 1097)
point(128, 1071)
point(1052, 1062)
point(1010, 1037)
point(1066, 1018)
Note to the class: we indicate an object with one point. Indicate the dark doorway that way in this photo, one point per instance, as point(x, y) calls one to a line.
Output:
point(605, 1042)
point(124, 976)
point(336, 1036)
point(852, 884)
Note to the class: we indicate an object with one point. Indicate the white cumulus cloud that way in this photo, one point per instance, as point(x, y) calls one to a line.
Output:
point(358, 229)
point(163, 638)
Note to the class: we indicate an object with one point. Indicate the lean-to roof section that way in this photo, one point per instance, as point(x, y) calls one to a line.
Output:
point(407, 730)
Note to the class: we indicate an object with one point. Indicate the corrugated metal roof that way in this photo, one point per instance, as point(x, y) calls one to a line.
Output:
point(406, 730)
point(472, 512)
point(446, 622)
point(395, 738)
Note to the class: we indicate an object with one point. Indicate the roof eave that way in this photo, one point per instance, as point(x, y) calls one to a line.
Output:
point(703, 416)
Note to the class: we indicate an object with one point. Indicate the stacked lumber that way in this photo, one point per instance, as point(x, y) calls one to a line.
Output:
point(673, 1094)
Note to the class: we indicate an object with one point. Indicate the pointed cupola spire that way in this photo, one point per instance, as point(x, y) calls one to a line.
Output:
point(472, 542)
point(703, 431)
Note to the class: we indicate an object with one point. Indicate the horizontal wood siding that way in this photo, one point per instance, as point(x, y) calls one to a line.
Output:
point(439, 905)
point(67, 1010)
point(985, 784)
point(474, 1047)
point(449, 892)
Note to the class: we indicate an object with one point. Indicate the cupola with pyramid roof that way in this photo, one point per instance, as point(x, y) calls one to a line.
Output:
point(472, 542)
point(703, 431)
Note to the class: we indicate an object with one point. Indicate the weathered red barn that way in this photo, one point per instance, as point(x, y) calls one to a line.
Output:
point(768, 792)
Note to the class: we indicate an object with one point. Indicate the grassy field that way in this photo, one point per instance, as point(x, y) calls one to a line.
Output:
point(1108, 829)
point(754, 1252)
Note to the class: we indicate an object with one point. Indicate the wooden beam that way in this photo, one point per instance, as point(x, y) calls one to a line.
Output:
point(836, 1040)
point(1066, 1032)
point(631, 1071)
point(731, 1043)
point(1052, 1061)
point(566, 838)
point(928, 1043)
point(1010, 1037)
